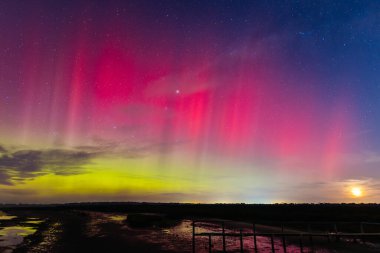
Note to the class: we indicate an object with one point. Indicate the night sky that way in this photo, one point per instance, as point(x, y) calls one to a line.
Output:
point(189, 101)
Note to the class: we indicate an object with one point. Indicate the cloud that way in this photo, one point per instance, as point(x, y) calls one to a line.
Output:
point(25, 164)
point(335, 191)
point(128, 149)
point(2, 149)
point(19, 164)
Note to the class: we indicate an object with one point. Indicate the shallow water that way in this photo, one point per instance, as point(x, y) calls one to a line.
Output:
point(117, 218)
point(34, 221)
point(111, 227)
point(179, 239)
point(6, 217)
point(13, 233)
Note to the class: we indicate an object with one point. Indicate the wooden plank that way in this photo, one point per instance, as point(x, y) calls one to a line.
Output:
point(286, 234)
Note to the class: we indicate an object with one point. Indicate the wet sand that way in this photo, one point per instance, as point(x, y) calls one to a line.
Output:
point(73, 231)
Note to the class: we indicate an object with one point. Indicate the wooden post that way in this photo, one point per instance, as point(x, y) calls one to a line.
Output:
point(362, 231)
point(272, 243)
point(301, 244)
point(311, 243)
point(209, 243)
point(283, 243)
point(241, 241)
point(193, 236)
point(328, 232)
point(310, 237)
point(224, 238)
point(336, 232)
point(254, 237)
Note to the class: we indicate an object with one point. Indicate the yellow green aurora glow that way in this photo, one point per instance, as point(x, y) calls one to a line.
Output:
point(189, 101)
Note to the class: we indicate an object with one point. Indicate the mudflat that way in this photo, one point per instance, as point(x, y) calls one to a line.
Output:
point(94, 229)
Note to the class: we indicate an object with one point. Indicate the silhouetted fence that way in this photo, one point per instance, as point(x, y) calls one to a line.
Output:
point(333, 234)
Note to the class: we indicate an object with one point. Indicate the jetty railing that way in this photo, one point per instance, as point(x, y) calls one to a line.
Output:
point(283, 235)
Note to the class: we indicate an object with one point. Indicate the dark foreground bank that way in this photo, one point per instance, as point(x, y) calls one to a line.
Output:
point(147, 227)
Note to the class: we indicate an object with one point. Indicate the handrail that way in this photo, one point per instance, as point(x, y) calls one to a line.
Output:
point(283, 234)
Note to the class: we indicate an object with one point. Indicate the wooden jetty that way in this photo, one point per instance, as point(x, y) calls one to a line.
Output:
point(283, 235)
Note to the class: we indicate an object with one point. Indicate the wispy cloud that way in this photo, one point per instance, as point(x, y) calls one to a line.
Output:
point(2, 149)
point(19, 165)
point(335, 191)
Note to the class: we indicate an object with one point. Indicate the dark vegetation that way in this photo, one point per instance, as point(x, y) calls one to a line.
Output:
point(243, 212)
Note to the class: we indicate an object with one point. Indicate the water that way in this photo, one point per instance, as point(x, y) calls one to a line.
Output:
point(13, 231)
point(6, 217)
point(13, 235)
point(111, 227)
point(179, 239)
point(117, 218)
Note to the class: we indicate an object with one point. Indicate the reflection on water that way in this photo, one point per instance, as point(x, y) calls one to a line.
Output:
point(179, 239)
point(14, 235)
point(117, 218)
point(6, 217)
point(13, 231)
point(111, 228)
point(33, 221)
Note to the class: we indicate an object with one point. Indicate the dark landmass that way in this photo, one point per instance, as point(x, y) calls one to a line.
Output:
point(166, 227)
point(241, 212)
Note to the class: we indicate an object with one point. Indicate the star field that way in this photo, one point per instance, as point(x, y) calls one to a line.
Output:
point(189, 101)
